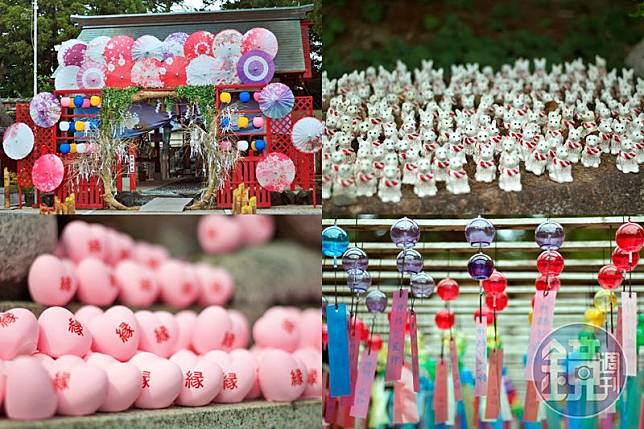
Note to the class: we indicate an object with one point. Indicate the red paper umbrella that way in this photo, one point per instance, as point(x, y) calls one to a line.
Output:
point(199, 43)
point(173, 72)
point(119, 77)
point(48, 172)
point(118, 51)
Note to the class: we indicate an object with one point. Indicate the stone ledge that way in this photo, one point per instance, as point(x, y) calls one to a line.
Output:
point(252, 414)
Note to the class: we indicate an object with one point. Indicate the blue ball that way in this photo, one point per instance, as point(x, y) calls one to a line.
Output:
point(260, 145)
point(64, 148)
point(335, 241)
point(78, 100)
point(480, 266)
point(225, 121)
point(244, 97)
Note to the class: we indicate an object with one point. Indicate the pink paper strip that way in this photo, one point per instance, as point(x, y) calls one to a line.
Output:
point(330, 404)
point(480, 330)
point(440, 393)
point(531, 404)
point(618, 331)
point(396, 346)
point(629, 332)
point(456, 376)
point(405, 405)
point(354, 351)
point(493, 402)
point(543, 313)
point(414, 350)
point(362, 393)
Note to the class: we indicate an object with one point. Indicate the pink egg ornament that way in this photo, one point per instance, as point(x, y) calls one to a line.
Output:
point(159, 332)
point(123, 382)
point(203, 379)
point(311, 324)
point(219, 234)
point(256, 229)
point(312, 358)
point(116, 333)
point(121, 247)
point(281, 376)
point(217, 285)
point(61, 334)
point(137, 283)
point(178, 283)
point(241, 329)
point(277, 330)
point(212, 330)
point(86, 313)
point(96, 283)
point(81, 388)
point(161, 382)
point(238, 377)
point(50, 281)
point(18, 333)
point(29, 393)
point(243, 354)
point(186, 320)
point(149, 254)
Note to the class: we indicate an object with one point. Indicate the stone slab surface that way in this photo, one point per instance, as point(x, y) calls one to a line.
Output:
point(252, 414)
point(168, 205)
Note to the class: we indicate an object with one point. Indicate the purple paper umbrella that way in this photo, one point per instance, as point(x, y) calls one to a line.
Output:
point(173, 45)
point(276, 100)
point(479, 232)
point(405, 233)
point(480, 266)
point(255, 67)
point(549, 235)
point(358, 280)
point(376, 301)
point(422, 285)
point(75, 55)
point(45, 109)
point(409, 261)
point(353, 258)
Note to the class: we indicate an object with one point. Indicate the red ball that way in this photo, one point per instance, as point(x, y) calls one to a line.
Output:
point(610, 277)
point(445, 319)
point(359, 326)
point(620, 259)
point(325, 335)
point(532, 302)
point(499, 300)
point(630, 237)
point(375, 344)
point(550, 262)
point(447, 289)
point(542, 282)
point(487, 314)
point(496, 283)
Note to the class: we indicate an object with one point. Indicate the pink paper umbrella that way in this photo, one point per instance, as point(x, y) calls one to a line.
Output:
point(255, 67)
point(45, 109)
point(199, 43)
point(75, 54)
point(173, 45)
point(145, 73)
point(276, 100)
point(18, 141)
point(227, 45)
point(275, 172)
point(48, 172)
point(173, 72)
point(260, 39)
point(118, 51)
point(147, 47)
point(63, 49)
point(91, 75)
point(307, 135)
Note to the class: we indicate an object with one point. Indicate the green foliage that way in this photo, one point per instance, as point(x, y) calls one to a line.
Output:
point(431, 23)
point(115, 103)
point(372, 12)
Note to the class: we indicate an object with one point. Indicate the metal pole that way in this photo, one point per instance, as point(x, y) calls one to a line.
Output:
point(35, 44)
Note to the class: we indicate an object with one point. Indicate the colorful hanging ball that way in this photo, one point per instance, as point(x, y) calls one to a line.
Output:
point(353, 258)
point(447, 289)
point(530, 316)
point(225, 144)
point(547, 282)
point(405, 233)
point(485, 314)
point(72, 148)
point(479, 232)
point(499, 300)
point(603, 299)
point(422, 285)
point(258, 122)
point(480, 266)
point(78, 101)
point(81, 148)
point(86, 104)
point(630, 237)
point(444, 319)
point(63, 126)
point(257, 96)
point(260, 145)
point(550, 262)
point(496, 283)
point(594, 316)
point(225, 97)
point(335, 241)
point(376, 301)
point(224, 122)
point(244, 96)
point(625, 261)
point(95, 101)
point(242, 145)
point(610, 277)
point(376, 343)
point(64, 148)
point(65, 101)
point(358, 280)
point(242, 122)
point(79, 125)
point(549, 235)
point(410, 260)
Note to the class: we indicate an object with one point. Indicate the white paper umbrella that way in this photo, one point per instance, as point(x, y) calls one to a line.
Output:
point(307, 135)
point(91, 75)
point(60, 55)
point(201, 70)
point(147, 47)
point(18, 141)
point(95, 49)
point(66, 78)
point(225, 72)
point(227, 45)
point(173, 44)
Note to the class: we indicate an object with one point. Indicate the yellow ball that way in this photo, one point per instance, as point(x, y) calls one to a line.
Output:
point(603, 299)
point(72, 148)
point(530, 312)
point(242, 122)
point(225, 97)
point(95, 100)
point(594, 317)
point(79, 125)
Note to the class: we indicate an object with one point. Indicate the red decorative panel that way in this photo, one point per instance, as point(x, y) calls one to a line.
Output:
point(306, 47)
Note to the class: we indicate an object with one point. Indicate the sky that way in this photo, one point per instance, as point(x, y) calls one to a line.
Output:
point(192, 5)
